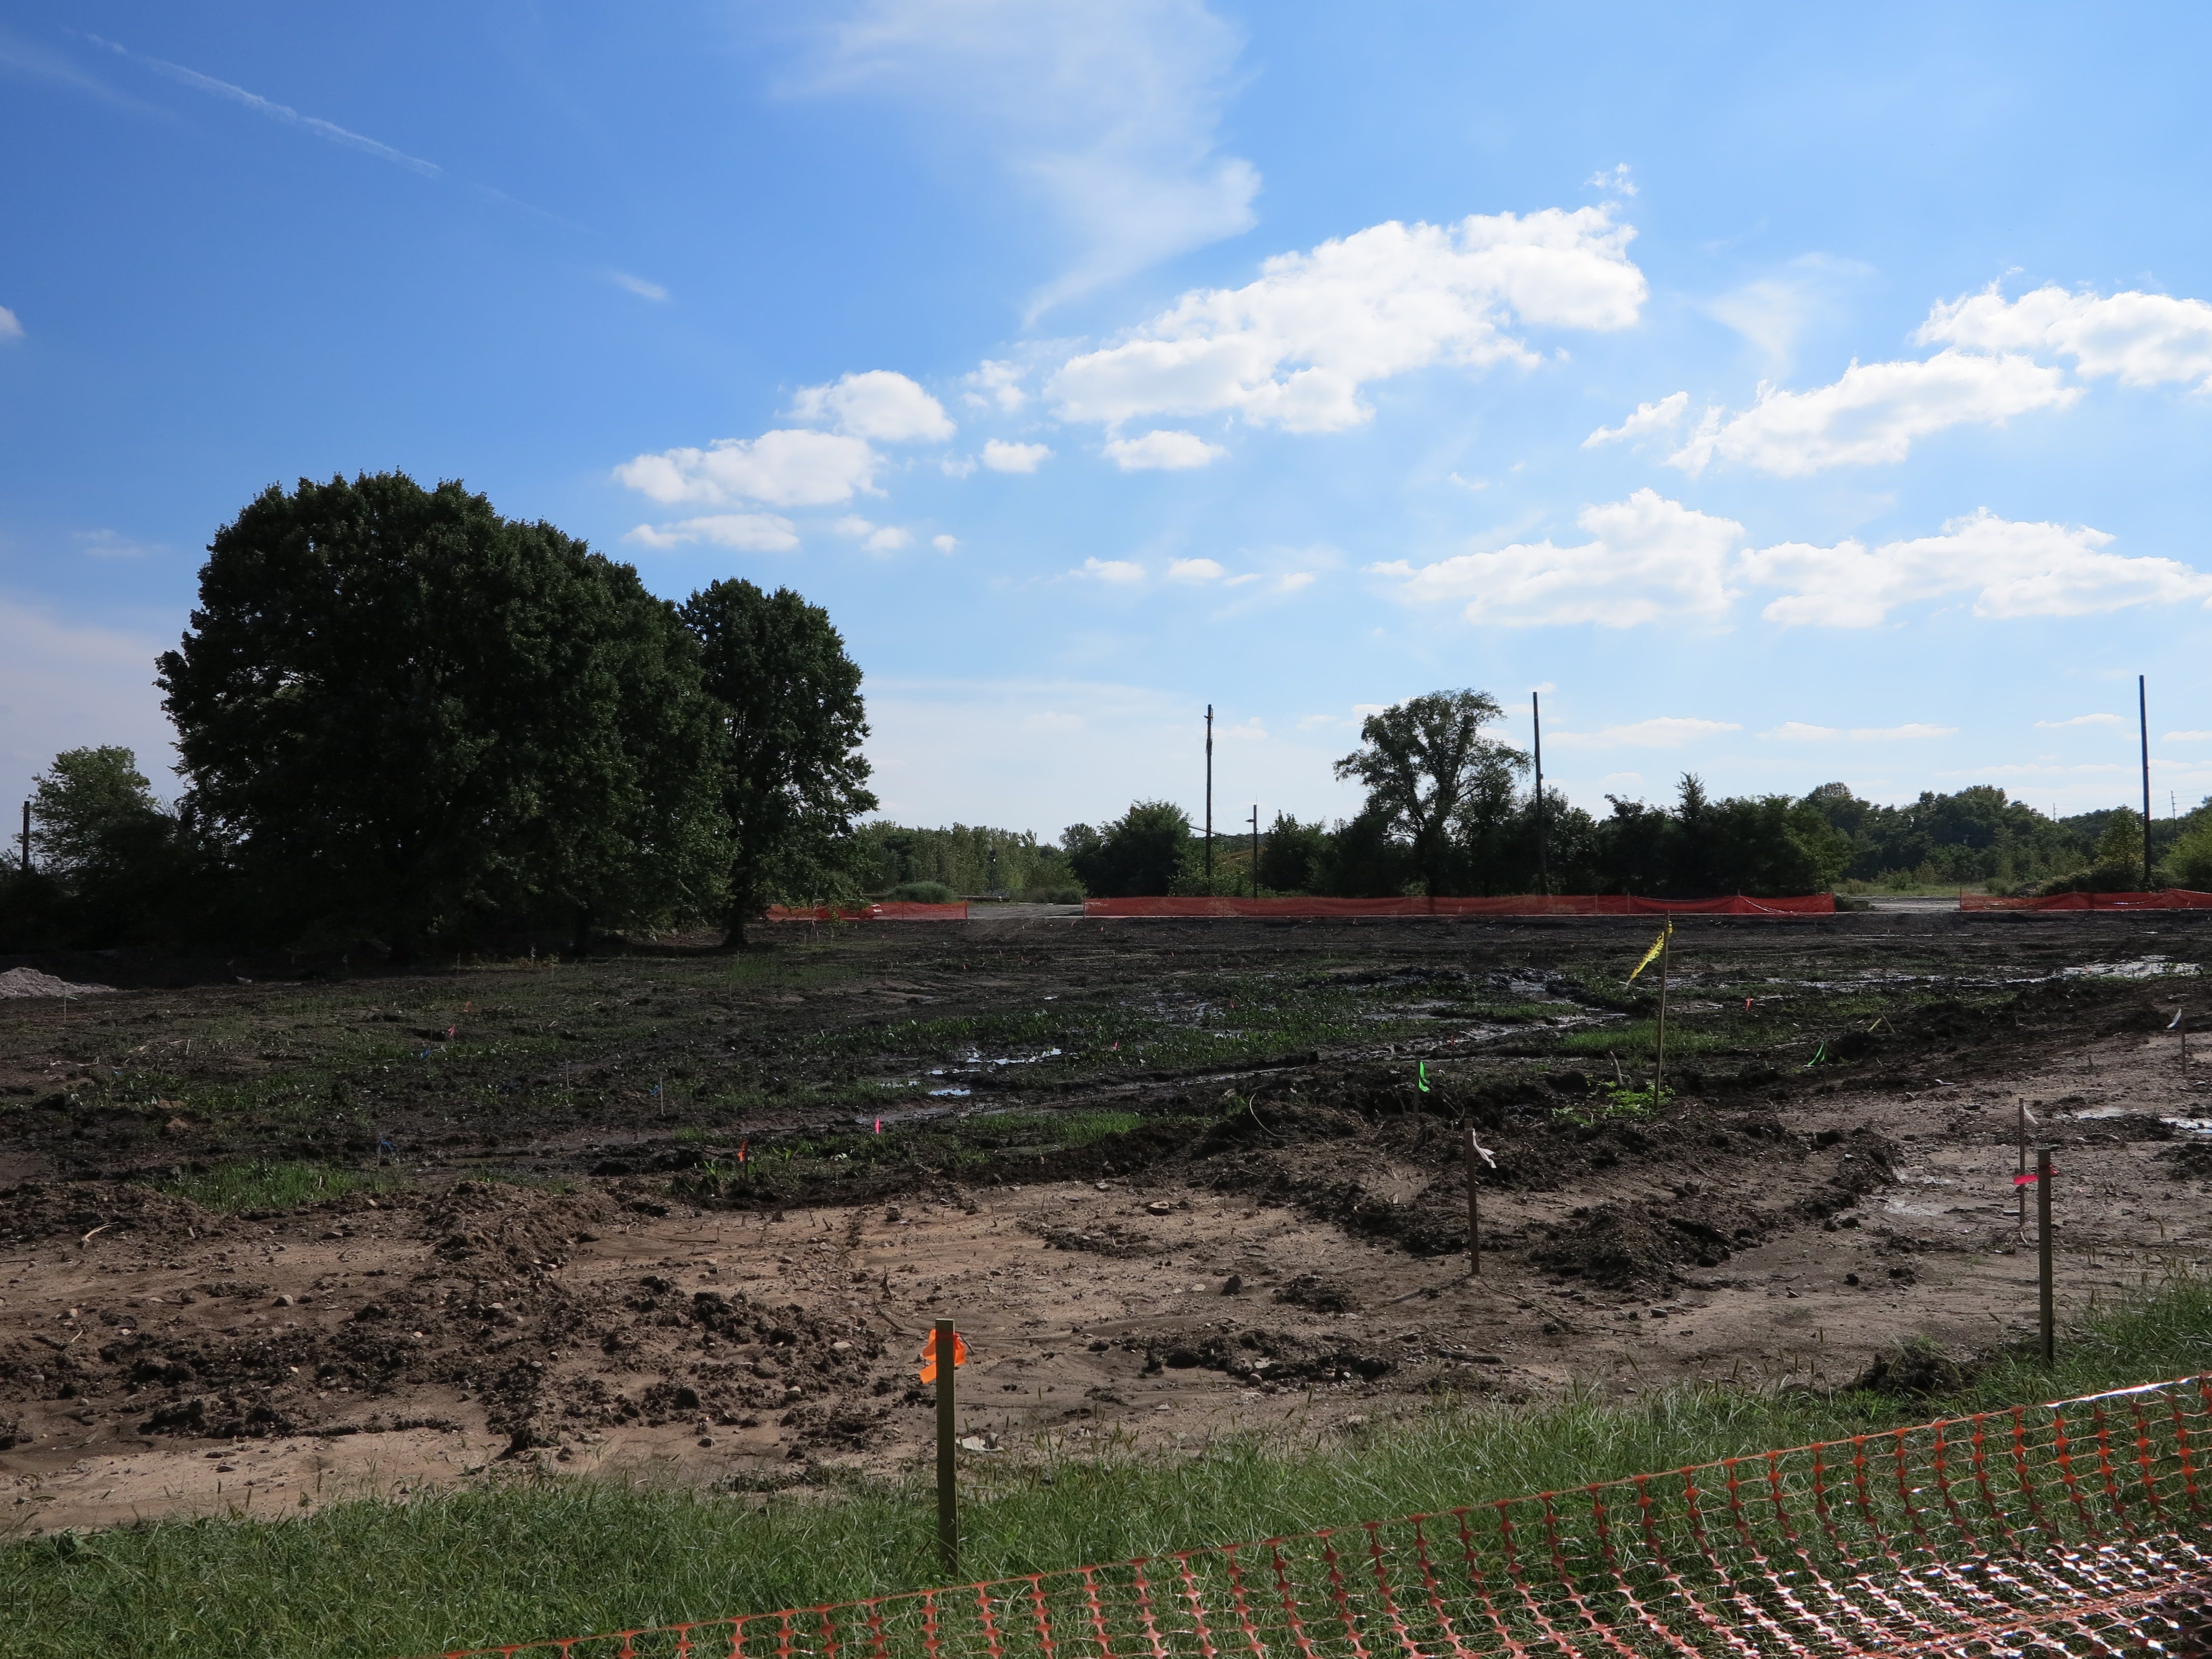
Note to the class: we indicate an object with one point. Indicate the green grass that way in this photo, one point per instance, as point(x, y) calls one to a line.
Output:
point(1639, 1039)
point(256, 1184)
point(542, 1558)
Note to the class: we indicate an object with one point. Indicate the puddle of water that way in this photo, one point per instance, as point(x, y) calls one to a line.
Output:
point(1904, 1206)
point(951, 1092)
point(2194, 1125)
point(2139, 968)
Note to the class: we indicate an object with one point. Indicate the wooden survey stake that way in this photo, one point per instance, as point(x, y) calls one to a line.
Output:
point(942, 1355)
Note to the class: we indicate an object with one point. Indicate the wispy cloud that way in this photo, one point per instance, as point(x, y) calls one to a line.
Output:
point(2080, 719)
point(1798, 731)
point(1667, 732)
point(111, 544)
point(1109, 114)
point(21, 57)
point(639, 286)
point(276, 112)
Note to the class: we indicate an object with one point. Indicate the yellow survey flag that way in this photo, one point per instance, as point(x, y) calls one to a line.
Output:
point(1657, 945)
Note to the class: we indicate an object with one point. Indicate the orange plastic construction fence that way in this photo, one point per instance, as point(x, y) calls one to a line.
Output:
point(2082, 1526)
point(1519, 904)
point(2173, 898)
point(889, 910)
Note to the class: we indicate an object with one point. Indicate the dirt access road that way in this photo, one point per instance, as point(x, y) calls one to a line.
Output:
point(272, 1243)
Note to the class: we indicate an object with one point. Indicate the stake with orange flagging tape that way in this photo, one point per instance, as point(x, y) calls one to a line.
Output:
point(943, 1340)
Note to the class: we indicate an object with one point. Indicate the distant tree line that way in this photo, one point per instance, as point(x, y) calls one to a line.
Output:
point(1449, 809)
point(408, 721)
point(964, 861)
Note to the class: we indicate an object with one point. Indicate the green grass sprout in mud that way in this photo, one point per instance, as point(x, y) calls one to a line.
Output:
point(1613, 1102)
point(531, 1557)
point(256, 1184)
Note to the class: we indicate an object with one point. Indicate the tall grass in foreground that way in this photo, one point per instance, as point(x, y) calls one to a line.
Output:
point(546, 1558)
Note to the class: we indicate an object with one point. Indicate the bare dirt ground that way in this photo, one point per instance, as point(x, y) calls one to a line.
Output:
point(1173, 1181)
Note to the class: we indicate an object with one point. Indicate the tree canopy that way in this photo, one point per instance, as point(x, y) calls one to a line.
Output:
point(405, 713)
point(1432, 778)
point(1141, 852)
point(83, 802)
point(788, 773)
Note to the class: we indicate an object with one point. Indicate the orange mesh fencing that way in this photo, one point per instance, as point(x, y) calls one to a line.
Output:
point(1519, 904)
point(888, 910)
point(2082, 1526)
point(2172, 898)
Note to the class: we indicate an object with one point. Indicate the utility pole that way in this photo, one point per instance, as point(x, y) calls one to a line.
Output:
point(1209, 798)
point(2142, 716)
point(1255, 849)
point(26, 838)
point(1543, 865)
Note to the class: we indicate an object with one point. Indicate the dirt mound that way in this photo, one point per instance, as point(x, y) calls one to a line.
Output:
point(32, 1214)
point(1109, 1238)
point(30, 982)
point(1269, 1355)
point(2191, 1161)
point(490, 1230)
point(1320, 1293)
point(1626, 1246)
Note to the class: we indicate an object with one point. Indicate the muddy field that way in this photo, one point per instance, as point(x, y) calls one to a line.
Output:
point(276, 1232)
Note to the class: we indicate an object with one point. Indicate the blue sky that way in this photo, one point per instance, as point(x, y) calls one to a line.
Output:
point(1790, 396)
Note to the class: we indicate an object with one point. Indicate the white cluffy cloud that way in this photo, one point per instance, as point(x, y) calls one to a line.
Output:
point(1663, 417)
point(11, 327)
point(2080, 719)
point(876, 538)
point(1648, 558)
point(945, 543)
point(1668, 731)
point(1294, 348)
point(749, 532)
point(1798, 731)
point(997, 383)
point(881, 404)
point(2141, 339)
point(2012, 569)
point(1003, 457)
point(1193, 573)
point(1872, 413)
point(788, 467)
point(1162, 452)
point(1108, 113)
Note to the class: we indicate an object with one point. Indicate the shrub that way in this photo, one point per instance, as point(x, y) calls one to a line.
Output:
point(923, 892)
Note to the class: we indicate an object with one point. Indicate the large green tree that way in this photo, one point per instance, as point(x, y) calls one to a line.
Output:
point(84, 803)
point(406, 714)
point(1433, 779)
point(789, 772)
